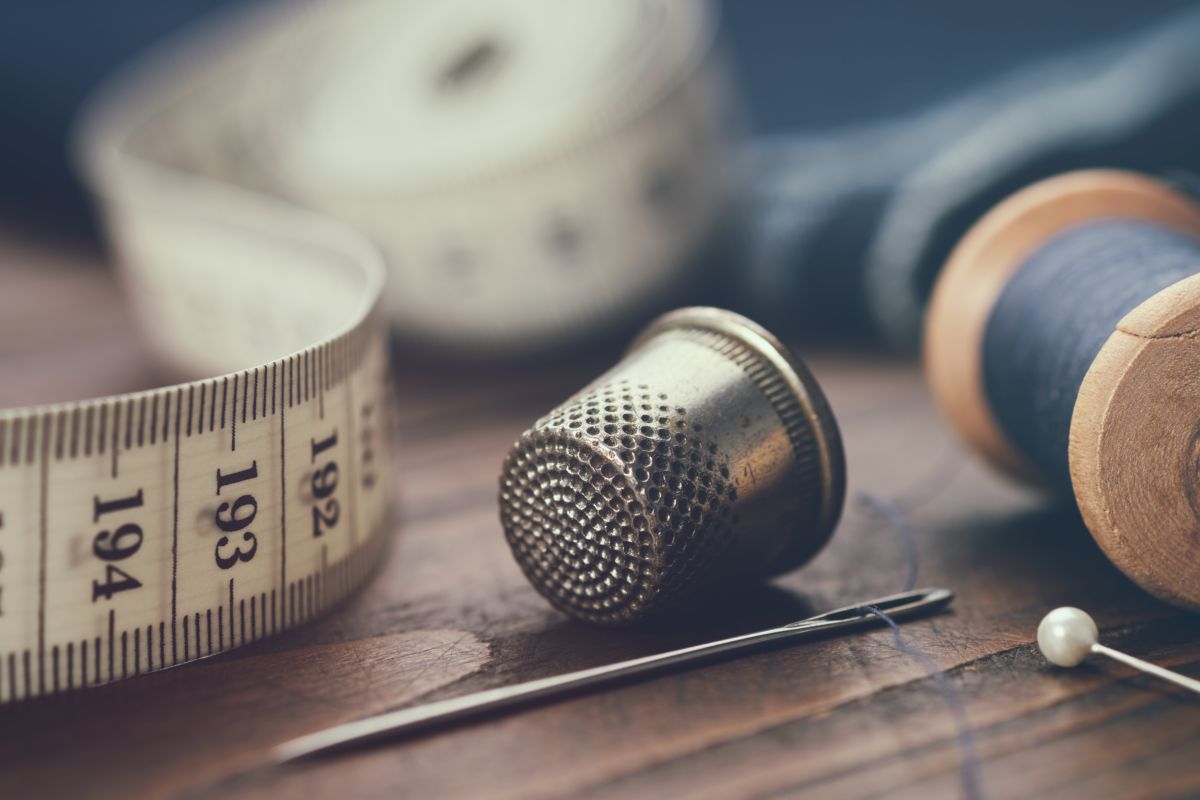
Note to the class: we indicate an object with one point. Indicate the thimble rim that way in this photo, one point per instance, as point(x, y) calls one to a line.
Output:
point(805, 391)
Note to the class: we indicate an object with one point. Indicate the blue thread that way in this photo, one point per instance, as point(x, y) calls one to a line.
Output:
point(1055, 314)
point(968, 759)
point(896, 515)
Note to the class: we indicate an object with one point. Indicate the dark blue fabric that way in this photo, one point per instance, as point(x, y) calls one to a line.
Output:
point(892, 128)
point(808, 67)
point(53, 53)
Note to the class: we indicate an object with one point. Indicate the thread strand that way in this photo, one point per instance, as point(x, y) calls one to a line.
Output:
point(895, 513)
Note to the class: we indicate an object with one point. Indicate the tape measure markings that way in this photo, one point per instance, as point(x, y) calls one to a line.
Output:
point(38, 441)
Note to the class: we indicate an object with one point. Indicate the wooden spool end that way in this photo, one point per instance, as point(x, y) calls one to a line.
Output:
point(1135, 445)
point(1135, 429)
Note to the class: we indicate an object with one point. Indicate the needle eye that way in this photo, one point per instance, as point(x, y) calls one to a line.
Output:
point(896, 602)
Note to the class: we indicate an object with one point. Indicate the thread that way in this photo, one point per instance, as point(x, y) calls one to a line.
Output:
point(1056, 313)
point(896, 514)
point(968, 759)
point(891, 513)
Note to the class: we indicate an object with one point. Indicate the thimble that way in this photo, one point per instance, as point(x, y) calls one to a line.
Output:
point(707, 455)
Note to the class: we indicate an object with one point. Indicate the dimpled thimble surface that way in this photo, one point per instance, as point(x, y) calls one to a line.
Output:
point(708, 454)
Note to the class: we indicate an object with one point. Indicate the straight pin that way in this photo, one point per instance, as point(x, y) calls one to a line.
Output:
point(1067, 636)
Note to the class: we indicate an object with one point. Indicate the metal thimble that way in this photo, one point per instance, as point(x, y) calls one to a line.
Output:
point(708, 454)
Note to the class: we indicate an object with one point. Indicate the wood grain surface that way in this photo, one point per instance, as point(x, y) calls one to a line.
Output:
point(450, 613)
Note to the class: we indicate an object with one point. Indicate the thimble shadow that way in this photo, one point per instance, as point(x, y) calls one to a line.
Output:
point(723, 611)
point(730, 610)
point(722, 614)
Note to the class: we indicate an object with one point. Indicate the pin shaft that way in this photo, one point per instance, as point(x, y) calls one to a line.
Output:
point(1145, 666)
point(395, 724)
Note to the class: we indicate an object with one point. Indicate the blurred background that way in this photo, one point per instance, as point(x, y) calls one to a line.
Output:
point(843, 147)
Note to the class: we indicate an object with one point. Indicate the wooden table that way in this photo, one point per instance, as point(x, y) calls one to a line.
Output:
point(450, 613)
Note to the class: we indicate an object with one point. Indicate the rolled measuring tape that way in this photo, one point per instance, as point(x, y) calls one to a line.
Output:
point(533, 171)
point(530, 171)
point(147, 530)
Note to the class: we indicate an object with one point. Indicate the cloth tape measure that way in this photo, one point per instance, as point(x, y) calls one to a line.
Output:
point(295, 180)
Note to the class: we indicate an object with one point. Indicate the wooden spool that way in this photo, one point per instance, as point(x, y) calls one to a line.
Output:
point(1135, 430)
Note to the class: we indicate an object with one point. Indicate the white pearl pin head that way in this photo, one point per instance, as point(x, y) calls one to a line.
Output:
point(1066, 636)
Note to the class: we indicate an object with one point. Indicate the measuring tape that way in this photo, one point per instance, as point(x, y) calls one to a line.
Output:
point(528, 170)
point(534, 172)
point(147, 530)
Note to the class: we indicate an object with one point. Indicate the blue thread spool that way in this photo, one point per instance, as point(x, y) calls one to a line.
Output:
point(1061, 343)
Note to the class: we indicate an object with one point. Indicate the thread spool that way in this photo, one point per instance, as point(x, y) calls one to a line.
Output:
point(707, 455)
point(1060, 342)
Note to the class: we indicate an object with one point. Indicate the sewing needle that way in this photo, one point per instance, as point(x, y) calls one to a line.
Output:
point(406, 721)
